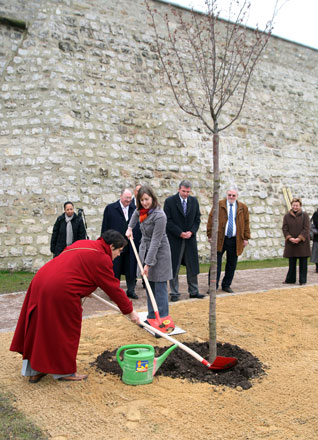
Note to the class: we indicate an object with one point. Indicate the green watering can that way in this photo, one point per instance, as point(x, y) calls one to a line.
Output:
point(139, 364)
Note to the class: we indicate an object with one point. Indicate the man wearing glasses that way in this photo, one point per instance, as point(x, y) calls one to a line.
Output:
point(233, 235)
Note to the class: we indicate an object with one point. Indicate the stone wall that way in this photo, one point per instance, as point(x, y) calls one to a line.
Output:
point(83, 113)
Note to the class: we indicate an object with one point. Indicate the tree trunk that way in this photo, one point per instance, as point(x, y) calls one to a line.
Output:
point(213, 261)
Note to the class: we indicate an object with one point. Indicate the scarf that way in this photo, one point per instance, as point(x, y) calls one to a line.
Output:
point(69, 230)
point(143, 214)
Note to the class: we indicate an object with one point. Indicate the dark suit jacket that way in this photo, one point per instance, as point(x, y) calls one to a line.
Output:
point(114, 218)
point(177, 222)
point(136, 230)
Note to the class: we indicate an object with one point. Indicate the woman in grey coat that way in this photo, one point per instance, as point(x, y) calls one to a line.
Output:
point(154, 250)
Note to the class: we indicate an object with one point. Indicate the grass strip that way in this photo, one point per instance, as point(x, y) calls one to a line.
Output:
point(14, 425)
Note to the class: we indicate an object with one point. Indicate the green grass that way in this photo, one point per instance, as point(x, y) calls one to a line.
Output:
point(14, 281)
point(14, 425)
point(19, 281)
point(248, 264)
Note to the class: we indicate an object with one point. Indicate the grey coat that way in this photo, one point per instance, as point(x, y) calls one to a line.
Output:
point(154, 247)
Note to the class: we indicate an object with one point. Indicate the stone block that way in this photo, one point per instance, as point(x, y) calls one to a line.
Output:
point(30, 250)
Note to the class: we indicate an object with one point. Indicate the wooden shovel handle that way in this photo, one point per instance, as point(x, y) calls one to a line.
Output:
point(151, 295)
point(158, 332)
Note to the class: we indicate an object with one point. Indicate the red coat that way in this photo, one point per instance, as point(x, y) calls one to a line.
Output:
point(49, 326)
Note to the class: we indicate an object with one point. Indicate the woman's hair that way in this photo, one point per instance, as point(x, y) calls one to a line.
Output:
point(68, 203)
point(115, 238)
point(145, 189)
point(295, 199)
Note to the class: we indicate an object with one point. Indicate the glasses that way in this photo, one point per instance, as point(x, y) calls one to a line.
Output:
point(231, 195)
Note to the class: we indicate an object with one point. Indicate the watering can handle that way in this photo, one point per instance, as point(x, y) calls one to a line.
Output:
point(124, 347)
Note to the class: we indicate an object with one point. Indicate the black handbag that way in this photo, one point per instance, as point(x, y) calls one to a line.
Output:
point(312, 231)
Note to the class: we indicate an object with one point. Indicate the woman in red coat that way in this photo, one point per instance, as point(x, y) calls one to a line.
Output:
point(49, 327)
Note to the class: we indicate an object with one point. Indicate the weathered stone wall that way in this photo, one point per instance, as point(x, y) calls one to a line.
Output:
point(83, 113)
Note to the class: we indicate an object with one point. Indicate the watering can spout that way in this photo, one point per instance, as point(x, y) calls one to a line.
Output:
point(160, 360)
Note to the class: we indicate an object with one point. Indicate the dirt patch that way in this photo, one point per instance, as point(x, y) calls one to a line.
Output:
point(279, 328)
point(181, 365)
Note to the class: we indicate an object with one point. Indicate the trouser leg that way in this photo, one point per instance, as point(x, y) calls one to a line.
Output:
point(231, 261)
point(192, 280)
point(174, 286)
point(27, 370)
point(193, 287)
point(160, 292)
point(131, 284)
point(302, 270)
point(174, 283)
point(291, 274)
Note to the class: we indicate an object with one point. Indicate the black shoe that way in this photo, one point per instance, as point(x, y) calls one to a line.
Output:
point(302, 284)
point(227, 289)
point(174, 298)
point(198, 295)
point(132, 295)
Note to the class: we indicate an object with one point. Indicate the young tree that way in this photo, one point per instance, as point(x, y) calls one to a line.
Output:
point(208, 63)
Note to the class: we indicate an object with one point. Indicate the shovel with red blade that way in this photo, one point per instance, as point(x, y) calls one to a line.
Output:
point(163, 323)
point(220, 362)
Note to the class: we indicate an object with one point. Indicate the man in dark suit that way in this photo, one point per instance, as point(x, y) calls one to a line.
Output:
point(117, 216)
point(137, 232)
point(183, 221)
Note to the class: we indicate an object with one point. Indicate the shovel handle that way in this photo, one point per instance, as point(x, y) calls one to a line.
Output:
point(158, 332)
point(151, 295)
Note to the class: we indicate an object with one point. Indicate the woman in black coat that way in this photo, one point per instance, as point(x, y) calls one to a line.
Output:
point(69, 227)
point(314, 255)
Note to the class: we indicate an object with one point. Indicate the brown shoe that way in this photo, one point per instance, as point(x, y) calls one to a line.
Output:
point(36, 378)
point(74, 377)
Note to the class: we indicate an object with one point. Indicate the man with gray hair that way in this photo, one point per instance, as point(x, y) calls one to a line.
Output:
point(117, 216)
point(183, 221)
point(233, 235)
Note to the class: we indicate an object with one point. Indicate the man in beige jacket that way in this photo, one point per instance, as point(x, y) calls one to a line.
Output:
point(233, 235)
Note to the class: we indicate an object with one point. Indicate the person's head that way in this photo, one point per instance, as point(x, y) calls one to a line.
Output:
point(137, 188)
point(125, 197)
point(296, 204)
point(146, 198)
point(116, 241)
point(69, 209)
point(231, 195)
point(185, 189)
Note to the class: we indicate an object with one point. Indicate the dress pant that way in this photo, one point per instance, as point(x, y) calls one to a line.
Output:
point(122, 266)
point(192, 280)
point(160, 292)
point(291, 274)
point(229, 246)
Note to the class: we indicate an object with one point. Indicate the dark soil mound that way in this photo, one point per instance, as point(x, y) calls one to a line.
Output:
point(180, 364)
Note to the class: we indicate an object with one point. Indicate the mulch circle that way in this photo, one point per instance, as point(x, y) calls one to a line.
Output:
point(181, 365)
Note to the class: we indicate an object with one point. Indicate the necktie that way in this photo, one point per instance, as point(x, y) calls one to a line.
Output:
point(230, 222)
point(184, 206)
point(126, 212)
